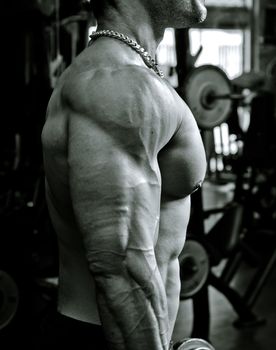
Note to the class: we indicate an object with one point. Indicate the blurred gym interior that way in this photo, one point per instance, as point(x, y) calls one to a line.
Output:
point(225, 70)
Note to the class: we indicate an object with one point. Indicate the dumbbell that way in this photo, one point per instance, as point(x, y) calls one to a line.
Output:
point(192, 344)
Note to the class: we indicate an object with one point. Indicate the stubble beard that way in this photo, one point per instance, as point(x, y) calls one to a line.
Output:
point(188, 12)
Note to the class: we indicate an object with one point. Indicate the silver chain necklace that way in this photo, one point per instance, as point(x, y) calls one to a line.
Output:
point(149, 61)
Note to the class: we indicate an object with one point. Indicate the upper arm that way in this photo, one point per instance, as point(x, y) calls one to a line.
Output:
point(115, 190)
point(117, 209)
point(114, 187)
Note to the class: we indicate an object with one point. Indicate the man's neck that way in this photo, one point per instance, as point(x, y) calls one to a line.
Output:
point(135, 22)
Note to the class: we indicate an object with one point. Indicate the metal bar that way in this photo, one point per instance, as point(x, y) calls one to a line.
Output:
point(255, 35)
point(231, 267)
point(259, 280)
point(227, 97)
point(236, 300)
point(201, 311)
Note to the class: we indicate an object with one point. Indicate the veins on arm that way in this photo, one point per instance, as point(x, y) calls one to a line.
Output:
point(116, 205)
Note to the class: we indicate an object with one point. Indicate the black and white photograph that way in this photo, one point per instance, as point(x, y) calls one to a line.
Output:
point(138, 175)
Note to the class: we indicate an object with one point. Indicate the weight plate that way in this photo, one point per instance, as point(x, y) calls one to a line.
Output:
point(9, 298)
point(194, 268)
point(200, 85)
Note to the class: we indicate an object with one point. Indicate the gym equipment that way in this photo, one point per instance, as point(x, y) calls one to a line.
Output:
point(193, 344)
point(259, 140)
point(194, 268)
point(9, 299)
point(233, 239)
point(249, 80)
point(208, 92)
point(201, 253)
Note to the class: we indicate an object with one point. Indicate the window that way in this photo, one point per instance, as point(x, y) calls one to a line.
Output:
point(223, 48)
point(166, 56)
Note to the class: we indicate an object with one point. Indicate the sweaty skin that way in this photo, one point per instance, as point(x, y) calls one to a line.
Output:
point(122, 154)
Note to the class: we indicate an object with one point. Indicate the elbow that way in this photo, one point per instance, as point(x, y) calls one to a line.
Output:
point(142, 267)
point(136, 265)
point(105, 263)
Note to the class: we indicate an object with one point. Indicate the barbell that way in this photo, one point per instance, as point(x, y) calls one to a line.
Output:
point(209, 94)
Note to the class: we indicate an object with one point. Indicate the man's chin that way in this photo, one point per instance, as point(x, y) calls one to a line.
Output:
point(201, 11)
point(196, 16)
point(200, 16)
point(203, 15)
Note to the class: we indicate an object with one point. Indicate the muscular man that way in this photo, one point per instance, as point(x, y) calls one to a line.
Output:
point(122, 154)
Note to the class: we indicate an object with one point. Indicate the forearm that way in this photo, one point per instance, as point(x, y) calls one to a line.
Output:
point(134, 316)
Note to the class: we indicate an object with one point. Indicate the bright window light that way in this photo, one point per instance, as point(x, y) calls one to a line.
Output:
point(223, 48)
point(166, 55)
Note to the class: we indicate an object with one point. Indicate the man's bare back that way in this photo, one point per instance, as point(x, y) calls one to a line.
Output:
point(122, 154)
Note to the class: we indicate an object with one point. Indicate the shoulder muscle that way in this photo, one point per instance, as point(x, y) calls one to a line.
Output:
point(131, 103)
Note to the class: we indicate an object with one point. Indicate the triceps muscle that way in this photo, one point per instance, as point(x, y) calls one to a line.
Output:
point(116, 201)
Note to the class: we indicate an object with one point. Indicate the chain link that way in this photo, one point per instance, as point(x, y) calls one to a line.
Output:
point(149, 61)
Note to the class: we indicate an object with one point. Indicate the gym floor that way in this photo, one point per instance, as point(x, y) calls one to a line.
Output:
point(223, 335)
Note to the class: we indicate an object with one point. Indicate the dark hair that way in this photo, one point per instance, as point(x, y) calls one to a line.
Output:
point(96, 6)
